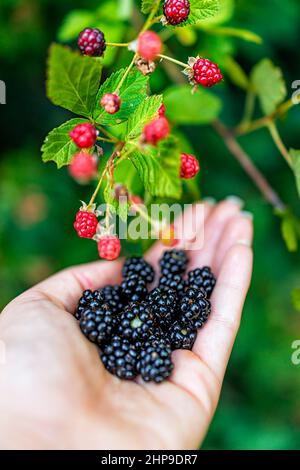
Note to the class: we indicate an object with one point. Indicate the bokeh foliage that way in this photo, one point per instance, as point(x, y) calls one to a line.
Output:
point(259, 405)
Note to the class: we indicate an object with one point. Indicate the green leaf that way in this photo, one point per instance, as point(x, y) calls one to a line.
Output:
point(236, 73)
point(132, 93)
point(202, 9)
point(269, 85)
point(296, 298)
point(295, 156)
point(58, 147)
point(147, 5)
point(183, 107)
point(289, 233)
point(145, 113)
point(158, 168)
point(126, 174)
point(73, 80)
point(223, 15)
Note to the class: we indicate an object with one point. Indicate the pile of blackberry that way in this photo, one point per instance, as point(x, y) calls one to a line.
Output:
point(137, 329)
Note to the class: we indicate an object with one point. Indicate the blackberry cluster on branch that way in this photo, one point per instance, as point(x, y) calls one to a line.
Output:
point(136, 330)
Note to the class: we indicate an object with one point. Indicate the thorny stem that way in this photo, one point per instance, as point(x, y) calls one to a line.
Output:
point(243, 158)
point(279, 143)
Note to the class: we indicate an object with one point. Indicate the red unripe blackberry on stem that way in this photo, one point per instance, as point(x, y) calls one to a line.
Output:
point(206, 72)
point(156, 130)
point(84, 135)
point(91, 41)
point(176, 11)
point(86, 224)
point(83, 167)
point(149, 45)
point(109, 247)
point(189, 166)
point(111, 103)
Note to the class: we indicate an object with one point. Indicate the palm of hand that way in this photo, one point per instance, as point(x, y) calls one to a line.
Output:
point(54, 384)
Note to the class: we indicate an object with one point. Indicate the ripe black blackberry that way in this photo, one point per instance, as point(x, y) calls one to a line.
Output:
point(137, 265)
point(173, 262)
point(91, 41)
point(173, 281)
point(120, 358)
point(136, 322)
point(114, 297)
point(84, 301)
point(97, 323)
point(202, 278)
point(134, 288)
point(155, 363)
point(182, 336)
point(163, 305)
point(195, 307)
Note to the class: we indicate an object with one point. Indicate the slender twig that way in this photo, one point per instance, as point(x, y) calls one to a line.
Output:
point(171, 59)
point(279, 143)
point(107, 133)
point(126, 74)
point(246, 163)
point(117, 44)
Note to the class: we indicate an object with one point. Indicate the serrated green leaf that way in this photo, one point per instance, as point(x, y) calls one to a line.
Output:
point(58, 147)
point(158, 168)
point(73, 80)
point(126, 174)
point(289, 233)
point(183, 107)
point(236, 74)
point(132, 93)
point(268, 83)
point(202, 9)
point(145, 113)
point(223, 15)
point(295, 156)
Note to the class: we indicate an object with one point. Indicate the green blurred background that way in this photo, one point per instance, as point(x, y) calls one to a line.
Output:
point(259, 408)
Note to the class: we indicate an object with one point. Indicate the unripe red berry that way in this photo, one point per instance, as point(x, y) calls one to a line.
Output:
point(91, 41)
point(206, 73)
point(136, 201)
point(86, 224)
point(84, 135)
point(83, 167)
point(189, 166)
point(111, 103)
point(162, 110)
point(156, 130)
point(109, 247)
point(149, 45)
point(176, 11)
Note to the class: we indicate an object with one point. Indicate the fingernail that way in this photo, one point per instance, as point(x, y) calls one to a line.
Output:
point(247, 215)
point(209, 200)
point(244, 242)
point(235, 200)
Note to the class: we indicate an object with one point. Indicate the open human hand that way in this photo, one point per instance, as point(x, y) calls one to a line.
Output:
point(54, 391)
